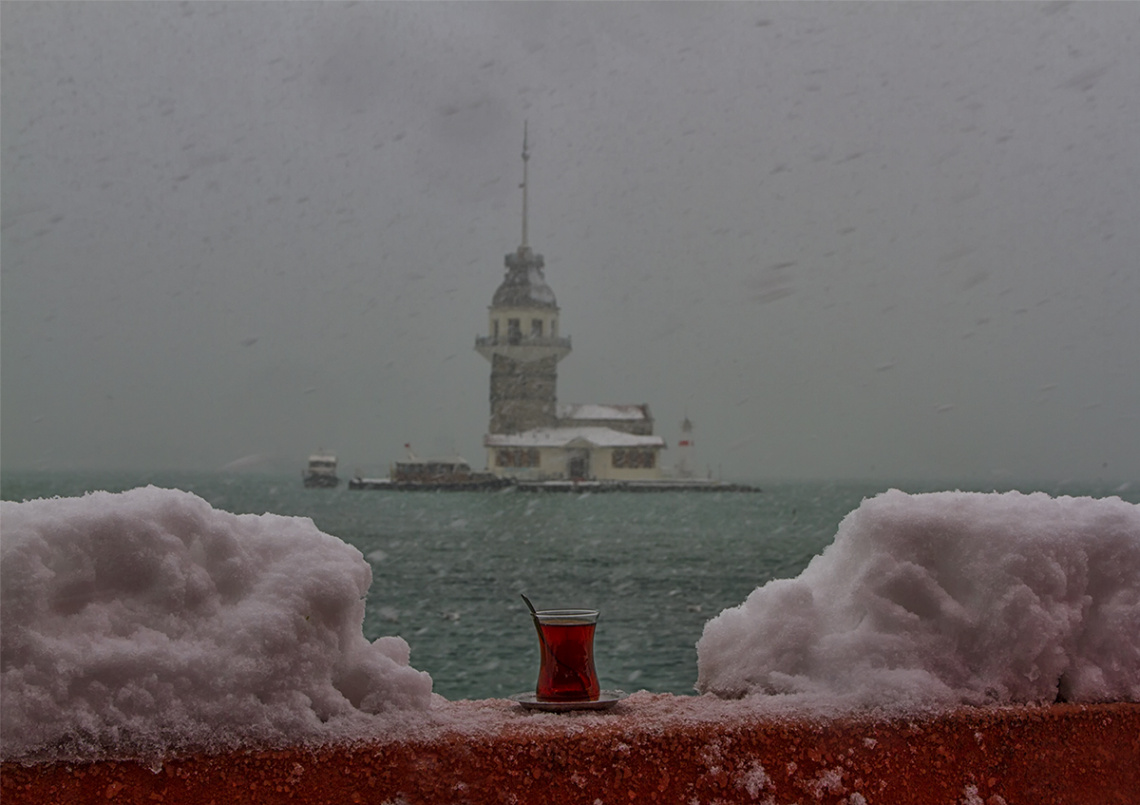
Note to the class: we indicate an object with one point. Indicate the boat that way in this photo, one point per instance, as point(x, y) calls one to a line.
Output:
point(321, 472)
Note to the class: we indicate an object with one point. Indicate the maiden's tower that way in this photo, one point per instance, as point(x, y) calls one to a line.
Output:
point(530, 435)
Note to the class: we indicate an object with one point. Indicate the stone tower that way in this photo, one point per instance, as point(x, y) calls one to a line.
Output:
point(522, 343)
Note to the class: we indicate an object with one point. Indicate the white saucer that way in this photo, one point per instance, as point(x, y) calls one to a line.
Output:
point(606, 699)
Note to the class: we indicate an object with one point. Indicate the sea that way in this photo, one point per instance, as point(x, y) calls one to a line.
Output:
point(449, 567)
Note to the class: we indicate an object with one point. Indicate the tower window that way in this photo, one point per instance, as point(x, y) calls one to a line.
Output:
point(536, 328)
point(495, 329)
point(514, 331)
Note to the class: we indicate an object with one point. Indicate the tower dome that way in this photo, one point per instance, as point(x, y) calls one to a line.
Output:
point(524, 286)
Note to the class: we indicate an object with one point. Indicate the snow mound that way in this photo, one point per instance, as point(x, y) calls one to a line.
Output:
point(946, 598)
point(138, 622)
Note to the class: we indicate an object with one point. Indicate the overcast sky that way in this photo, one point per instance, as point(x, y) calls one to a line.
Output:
point(848, 240)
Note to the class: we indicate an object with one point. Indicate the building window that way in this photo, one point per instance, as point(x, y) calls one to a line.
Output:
point(517, 457)
point(495, 329)
point(536, 328)
point(631, 458)
point(514, 331)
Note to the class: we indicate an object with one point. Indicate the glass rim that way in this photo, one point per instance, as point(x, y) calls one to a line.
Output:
point(555, 615)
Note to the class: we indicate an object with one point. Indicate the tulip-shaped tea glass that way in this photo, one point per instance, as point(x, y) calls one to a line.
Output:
point(566, 637)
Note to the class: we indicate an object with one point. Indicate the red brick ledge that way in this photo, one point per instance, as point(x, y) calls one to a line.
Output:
point(654, 748)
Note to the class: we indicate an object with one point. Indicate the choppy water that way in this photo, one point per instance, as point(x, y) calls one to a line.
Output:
point(449, 566)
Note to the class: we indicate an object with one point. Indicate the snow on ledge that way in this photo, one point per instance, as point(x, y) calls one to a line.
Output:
point(943, 599)
point(148, 620)
point(145, 623)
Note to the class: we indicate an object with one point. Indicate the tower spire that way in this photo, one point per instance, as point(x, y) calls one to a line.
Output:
point(526, 158)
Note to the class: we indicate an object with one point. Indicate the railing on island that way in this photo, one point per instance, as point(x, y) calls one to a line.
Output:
point(522, 341)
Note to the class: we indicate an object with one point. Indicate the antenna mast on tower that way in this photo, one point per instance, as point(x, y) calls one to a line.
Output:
point(526, 158)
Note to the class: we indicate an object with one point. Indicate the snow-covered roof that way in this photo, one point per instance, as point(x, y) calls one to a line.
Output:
point(564, 437)
point(600, 411)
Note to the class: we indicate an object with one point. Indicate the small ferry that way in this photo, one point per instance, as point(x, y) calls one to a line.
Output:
point(321, 471)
